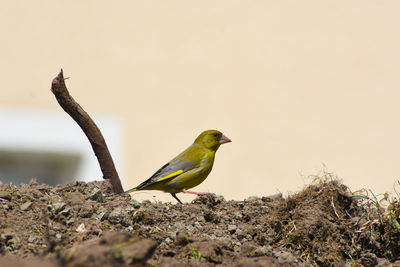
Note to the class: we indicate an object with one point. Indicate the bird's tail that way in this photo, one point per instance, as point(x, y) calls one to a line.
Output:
point(129, 191)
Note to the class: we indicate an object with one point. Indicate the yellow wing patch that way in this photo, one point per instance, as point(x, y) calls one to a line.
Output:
point(170, 175)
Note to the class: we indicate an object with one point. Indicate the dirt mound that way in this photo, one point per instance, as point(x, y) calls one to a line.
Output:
point(85, 224)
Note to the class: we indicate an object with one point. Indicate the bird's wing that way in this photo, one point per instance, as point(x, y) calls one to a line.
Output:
point(168, 171)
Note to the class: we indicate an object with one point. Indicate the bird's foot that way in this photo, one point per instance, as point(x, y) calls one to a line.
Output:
point(198, 193)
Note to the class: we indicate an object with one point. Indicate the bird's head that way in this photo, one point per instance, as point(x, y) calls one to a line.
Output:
point(212, 139)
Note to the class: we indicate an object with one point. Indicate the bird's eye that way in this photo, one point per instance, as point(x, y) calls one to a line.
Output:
point(215, 134)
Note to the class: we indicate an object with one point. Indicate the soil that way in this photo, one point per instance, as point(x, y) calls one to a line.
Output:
point(85, 224)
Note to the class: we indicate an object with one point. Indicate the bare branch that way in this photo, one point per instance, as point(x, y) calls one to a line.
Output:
point(89, 128)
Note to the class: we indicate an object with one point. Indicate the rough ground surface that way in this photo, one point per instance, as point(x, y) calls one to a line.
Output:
point(85, 224)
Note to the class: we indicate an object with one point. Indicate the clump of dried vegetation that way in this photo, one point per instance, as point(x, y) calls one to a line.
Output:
point(328, 224)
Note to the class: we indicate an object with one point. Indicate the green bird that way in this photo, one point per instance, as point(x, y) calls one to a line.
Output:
point(188, 169)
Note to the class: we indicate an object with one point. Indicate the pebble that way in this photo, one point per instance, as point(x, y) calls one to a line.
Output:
point(58, 236)
point(213, 237)
point(239, 233)
point(65, 212)
point(116, 215)
point(284, 255)
point(219, 199)
point(32, 239)
point(263, 251)
point(5, 194)
point(100, 216)
point(95, 194)
point(252, 199)
point(178, 225)
point(240, 204)
point(58, 206)
point(271, 198)
point(81, 228)
point(232, 228)
point(211, 216)
point(134, 203)
point(238, 215)
point(26, 206)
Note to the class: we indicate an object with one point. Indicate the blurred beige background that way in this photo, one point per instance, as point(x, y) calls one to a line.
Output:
point(295, 84)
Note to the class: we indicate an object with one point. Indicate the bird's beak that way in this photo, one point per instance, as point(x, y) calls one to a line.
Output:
point(224, 140)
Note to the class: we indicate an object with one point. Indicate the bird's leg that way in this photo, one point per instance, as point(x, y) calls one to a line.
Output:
point(197, 193)
point(174, 195)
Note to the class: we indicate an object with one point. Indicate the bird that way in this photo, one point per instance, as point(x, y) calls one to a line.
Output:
point(187, 170)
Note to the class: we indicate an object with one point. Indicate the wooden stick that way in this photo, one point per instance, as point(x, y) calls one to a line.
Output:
point(90, 129)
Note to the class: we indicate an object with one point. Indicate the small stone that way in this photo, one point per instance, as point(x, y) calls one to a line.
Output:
point(219, 199)
point(263, 251)
point(130, 228)
point(142, 216)
point(134, 203)
point(271, 198)
point(86, 210)
point(65, 212)
point(168, 240)
point(81, 228)
point(239, 233)
point(252, 199)
point(218, 232)
point(58, 206)
point(26, 206)
point(116, 215)
point(58, 236)
point(211, 216)
point(284, 255)
point(232, 228)
point(5, 194)
point(95, 194)
point(147, 228)
point(178, 225)
point(100, 216)
point(240, 204)
point(197, 224)
point(238, 215)
point(32, 239)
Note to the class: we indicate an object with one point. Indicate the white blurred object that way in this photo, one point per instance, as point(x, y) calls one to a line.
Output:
point(37, 143)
